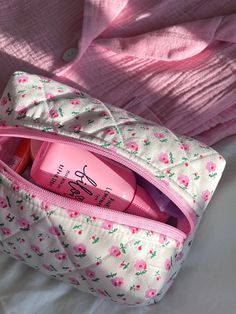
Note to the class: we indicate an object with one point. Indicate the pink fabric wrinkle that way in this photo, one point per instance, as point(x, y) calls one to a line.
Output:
point(173, 43)
point(96, 18)
point(170, 63)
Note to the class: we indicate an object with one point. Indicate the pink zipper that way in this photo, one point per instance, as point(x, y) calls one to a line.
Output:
point(103, 213)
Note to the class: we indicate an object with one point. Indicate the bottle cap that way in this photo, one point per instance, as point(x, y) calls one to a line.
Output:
point(144, 206)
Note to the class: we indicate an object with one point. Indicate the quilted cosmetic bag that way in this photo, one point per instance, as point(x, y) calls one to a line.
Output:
point(111, 254)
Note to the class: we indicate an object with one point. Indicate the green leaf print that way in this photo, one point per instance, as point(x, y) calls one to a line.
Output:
point(197, 177)
point(153, 254)
point(165, 140)
point(75, 113)
point(66, 245)
point(185, 158)
point(111, 275)
point(124, 265)
point(54, 251)
point(52, 267)
point(146, 142)
point(61, 112)
point(160, 176)
point(77, 227)
point(137, 242)
point(90, 121)
point(113, 230)
point(171, 157)
point(25, 229)
point(65, 267)
point(120, 295)
point(148, 233)
point(10, 218)
point(95, 240)
point(27, 196)
point(212, 175)
point(9, 111)
point(81, 255)
point(96, 279)
point(122, 248)
point(118, 143)
point(51, 212)
point(106, 145)
point(61, 229)
point(140, 273)
point(8, 201)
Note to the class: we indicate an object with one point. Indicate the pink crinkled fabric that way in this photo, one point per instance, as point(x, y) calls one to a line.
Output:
point(170, 61)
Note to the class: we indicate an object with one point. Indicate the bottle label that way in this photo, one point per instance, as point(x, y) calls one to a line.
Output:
point(81, 186)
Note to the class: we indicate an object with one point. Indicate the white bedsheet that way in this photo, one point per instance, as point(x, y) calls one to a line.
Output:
point(206, 284)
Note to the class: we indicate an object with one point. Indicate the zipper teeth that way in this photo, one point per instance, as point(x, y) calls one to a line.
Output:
point(86, 208)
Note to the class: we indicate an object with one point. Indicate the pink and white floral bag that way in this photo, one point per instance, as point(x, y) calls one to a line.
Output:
point(114, 255)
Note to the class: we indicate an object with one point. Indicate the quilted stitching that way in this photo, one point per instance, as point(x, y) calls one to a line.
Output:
point(123, 263)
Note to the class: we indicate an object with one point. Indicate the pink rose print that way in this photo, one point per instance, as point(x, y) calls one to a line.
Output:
point(76, 128)
point(5, 231)
point(140, 265)
point(211, 166)
point(3, 202)
point(45, 206)
point(91, 274)
point(162, 238)
point(184, 146)
point(22, 79)
point(108, 225)
point(167, 264)
point(75, 101)
point(53, 113)
point(103, 114)
point(3, 101)
point(117, 281)
point(183, 180)
point(205, 195)
point(159, 135)
point(73, 281)
point(50, 96)
point(61, 256)
point(150, 293)
point(15, 186)
point(179, 256)
point(54, 231)
point(80, 248)
point(109, 131)
point(177, 244)
point(21, 111)
point(134, 229)
point(24, 223)
point(35, 249)
point(73, 213)
point(114, 251)
point(163, 157)
point(133, 146)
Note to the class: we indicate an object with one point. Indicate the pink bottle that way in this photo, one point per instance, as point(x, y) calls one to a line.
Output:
point(78, 174)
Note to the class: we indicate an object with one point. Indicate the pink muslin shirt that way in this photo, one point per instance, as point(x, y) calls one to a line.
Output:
point(173, 62)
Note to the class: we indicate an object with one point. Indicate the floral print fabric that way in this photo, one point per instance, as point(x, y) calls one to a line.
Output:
point(123, 263)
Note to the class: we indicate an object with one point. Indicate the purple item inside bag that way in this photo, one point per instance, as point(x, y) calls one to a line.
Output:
point(162, 201)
